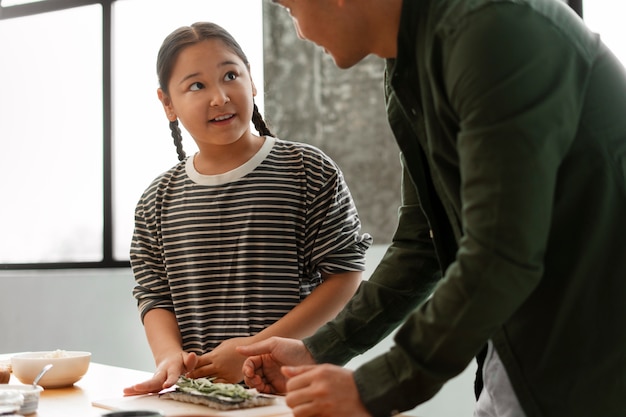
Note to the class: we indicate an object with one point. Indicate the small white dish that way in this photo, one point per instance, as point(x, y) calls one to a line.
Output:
point(29, 394)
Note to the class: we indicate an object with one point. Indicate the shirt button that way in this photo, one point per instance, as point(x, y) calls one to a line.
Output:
point(430, 232)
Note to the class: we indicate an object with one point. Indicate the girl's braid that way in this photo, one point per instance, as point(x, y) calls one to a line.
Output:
point(259, 123)
point(178, 139)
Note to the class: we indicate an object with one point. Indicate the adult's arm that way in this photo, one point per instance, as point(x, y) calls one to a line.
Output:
point(404, 278)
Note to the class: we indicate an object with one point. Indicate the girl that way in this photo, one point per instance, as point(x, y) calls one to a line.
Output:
point(249, 238)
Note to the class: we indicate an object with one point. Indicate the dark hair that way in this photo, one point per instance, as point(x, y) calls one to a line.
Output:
point(186, 36)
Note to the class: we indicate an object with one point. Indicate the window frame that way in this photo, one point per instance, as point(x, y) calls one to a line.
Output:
point(577, 6)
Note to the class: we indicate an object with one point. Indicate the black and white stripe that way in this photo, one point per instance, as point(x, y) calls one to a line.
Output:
point(233, 253)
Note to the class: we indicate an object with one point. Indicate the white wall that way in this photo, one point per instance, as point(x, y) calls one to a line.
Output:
point(94, 310)
point(89, 310)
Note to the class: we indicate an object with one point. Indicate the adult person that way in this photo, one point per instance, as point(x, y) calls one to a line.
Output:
point(251, 237)
point(509, 115)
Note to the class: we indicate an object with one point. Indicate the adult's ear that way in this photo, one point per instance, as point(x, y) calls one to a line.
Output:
point(167, 105)
point(254, 92)
point(253, 88)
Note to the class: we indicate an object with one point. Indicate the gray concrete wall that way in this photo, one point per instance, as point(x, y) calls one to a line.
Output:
point(308, 99)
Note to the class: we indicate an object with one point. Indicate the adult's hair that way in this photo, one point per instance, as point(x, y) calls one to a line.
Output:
point(186, 36)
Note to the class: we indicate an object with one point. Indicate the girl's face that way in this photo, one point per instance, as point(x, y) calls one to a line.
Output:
point(211, 93)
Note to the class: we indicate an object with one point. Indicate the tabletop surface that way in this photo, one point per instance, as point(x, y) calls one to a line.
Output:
point(101, 390)
point(100, 381)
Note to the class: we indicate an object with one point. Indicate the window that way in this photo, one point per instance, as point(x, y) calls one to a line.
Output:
point(606, 17)
point(83, 132)
point(7, 3)
point(51, 118)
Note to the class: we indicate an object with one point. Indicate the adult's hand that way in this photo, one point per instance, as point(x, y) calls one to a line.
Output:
point(167, 373)
point(262, 370)
point(323, 391)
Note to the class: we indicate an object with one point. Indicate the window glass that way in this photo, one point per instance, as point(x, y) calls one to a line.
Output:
point(143, 147)
point(51, 118)
point(7, 3)
point(606, 17)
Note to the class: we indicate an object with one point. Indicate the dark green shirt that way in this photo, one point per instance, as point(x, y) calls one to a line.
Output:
point(511, 119)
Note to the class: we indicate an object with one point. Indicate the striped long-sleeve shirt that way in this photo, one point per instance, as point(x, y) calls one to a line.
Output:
point(231, 254)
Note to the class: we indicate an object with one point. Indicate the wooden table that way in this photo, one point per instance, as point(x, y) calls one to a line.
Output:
point(101, 381)
point(107, 382)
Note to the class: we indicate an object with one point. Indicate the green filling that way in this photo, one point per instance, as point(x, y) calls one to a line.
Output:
point(206, 386)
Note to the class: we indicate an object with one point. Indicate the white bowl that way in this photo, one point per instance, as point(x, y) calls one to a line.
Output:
point(67, 367)
point(29, 393)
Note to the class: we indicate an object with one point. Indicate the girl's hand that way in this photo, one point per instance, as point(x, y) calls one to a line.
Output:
point(167, 373)
point(223, 363)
